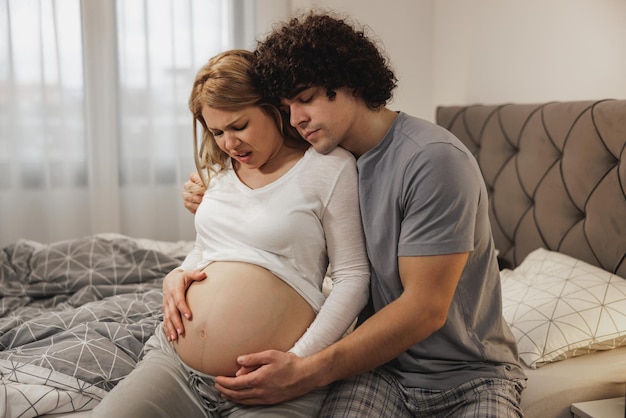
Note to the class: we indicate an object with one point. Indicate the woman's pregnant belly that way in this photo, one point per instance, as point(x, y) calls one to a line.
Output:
point(239, 308)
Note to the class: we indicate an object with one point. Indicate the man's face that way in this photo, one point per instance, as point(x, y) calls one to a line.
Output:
point(324, 122)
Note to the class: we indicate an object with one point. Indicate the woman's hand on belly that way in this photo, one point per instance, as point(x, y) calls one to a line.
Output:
point(240, 308)
point(175, 306)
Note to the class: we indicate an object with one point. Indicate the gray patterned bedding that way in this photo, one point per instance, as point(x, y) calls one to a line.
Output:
point(74, 316)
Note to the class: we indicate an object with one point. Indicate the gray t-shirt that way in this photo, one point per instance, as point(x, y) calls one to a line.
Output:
point(421, 193)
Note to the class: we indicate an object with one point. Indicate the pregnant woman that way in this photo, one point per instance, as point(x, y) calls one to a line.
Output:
point(276, 217)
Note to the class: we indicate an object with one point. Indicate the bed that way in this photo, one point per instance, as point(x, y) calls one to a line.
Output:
point(74, 314)
point(556, 175)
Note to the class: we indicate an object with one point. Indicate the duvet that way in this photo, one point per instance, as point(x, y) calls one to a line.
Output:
point(74, 316)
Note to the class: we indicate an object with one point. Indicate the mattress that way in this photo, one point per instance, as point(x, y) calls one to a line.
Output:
point(554, 387)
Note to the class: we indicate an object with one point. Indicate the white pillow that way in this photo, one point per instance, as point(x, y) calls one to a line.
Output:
point(560, 307)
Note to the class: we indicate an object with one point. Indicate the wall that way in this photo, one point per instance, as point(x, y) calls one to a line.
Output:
point(489, 51)
point(494, 51)
point(469, 51)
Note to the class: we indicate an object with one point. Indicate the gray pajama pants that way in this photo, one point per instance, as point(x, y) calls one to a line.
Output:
point(378, 393)
point(163, 386)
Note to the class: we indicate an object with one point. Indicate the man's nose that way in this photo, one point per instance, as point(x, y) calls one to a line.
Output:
point(296, 115)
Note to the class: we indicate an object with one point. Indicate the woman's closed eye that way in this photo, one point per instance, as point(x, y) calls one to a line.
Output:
point(217, 133)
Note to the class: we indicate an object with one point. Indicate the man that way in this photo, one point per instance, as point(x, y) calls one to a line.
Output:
point(433, 341)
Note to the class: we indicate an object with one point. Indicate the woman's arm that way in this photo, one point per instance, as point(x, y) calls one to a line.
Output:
point(176, 283)
point(349, 267)
point(175, 286)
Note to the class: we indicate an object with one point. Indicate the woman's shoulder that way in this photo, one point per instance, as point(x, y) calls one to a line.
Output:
point(331, 169)
point(342, 153)
point(335, 156)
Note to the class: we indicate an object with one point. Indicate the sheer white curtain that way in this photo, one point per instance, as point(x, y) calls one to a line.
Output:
point(95, 132)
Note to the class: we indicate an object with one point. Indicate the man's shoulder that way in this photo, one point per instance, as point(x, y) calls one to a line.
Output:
point(421, 130)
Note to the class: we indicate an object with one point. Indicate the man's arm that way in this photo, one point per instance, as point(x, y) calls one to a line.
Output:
point(194, 190)
point(429, 286)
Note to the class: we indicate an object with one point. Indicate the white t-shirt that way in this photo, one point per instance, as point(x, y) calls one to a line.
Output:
point(293, 227)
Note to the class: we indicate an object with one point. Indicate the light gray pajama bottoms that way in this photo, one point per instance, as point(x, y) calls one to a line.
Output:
point(378, 393)
point(163, 386)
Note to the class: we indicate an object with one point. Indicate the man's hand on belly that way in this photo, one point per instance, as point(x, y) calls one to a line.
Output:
point(175, 285)
point(265, 378)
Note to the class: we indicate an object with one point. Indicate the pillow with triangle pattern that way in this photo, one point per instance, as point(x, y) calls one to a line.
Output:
point(560, 307)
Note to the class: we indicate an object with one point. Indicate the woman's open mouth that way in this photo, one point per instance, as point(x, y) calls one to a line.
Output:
point(243, 157)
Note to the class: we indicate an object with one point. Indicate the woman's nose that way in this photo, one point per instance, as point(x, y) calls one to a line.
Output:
point(231, 141)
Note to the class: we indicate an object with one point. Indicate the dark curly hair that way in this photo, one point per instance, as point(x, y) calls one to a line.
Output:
point(318, 49)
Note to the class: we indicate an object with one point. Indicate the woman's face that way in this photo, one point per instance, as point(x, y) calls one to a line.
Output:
point(249, 136)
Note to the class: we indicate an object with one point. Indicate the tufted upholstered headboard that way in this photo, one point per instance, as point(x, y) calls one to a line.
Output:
point(556, 175)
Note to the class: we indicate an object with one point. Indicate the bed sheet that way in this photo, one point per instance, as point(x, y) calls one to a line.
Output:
point(554, 387)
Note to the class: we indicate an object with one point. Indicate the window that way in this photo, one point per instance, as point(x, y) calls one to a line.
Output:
point(95, 132)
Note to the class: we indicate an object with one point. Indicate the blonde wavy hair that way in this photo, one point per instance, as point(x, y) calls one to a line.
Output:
point(225, 83)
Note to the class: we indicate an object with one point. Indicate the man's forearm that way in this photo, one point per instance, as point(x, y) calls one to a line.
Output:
point(381, 338)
